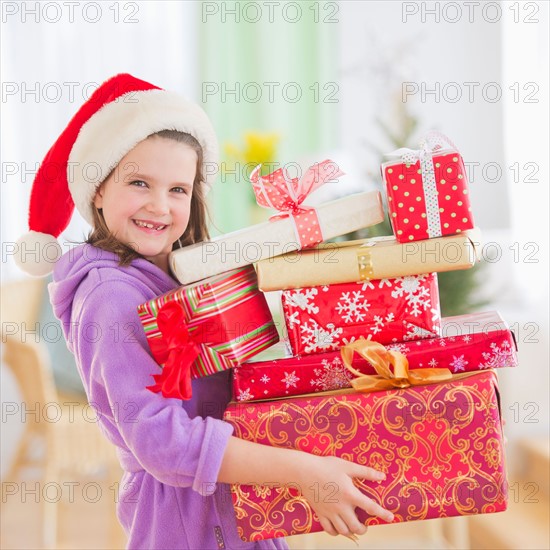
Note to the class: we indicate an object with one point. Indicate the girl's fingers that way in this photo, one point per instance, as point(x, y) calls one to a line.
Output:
point(373, 509)
point(340, 526)
point(366, 472)
point(353, 523)
point(327, 526)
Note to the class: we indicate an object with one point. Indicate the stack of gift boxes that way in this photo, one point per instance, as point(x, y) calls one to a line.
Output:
point(372, 374)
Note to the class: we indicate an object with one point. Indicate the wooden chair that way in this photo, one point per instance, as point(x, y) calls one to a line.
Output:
point(36, 450)
point(59, 443)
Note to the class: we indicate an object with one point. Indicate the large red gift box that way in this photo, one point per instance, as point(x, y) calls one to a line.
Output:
point(427, 194)
point(323, 318)
point(470, 342)
point(440, 446)
point(222, 321)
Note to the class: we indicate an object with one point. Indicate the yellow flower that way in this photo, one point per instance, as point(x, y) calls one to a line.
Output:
point(259, 148)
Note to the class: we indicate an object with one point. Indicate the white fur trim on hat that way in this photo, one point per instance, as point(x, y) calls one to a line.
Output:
point(36, 253)
point(120, 125)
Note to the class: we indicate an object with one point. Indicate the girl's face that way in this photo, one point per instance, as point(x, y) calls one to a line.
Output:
point(151, 186)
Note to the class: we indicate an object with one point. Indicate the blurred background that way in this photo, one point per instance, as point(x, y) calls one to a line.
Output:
point(291, 83)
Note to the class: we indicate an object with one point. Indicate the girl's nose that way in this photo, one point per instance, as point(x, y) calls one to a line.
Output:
point(158, 204)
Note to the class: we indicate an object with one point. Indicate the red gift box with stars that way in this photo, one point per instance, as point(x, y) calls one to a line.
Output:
point(471, 342)
point(427, 195)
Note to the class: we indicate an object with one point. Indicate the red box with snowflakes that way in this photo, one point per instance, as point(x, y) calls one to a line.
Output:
point(322, 318)
point(429, 197)
point(469, 342)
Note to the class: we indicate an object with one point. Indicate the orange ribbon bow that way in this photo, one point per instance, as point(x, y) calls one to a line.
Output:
point(383, 360)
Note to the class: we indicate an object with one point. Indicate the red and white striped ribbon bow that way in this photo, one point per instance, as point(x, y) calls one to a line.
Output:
point(285, 194)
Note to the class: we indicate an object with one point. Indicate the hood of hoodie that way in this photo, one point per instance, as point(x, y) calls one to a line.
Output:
point(76, 264)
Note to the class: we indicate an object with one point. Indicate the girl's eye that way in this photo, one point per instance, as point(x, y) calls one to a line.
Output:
point(180, 190)
point(138, 183)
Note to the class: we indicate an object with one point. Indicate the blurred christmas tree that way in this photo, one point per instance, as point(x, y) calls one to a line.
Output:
point(456, 288)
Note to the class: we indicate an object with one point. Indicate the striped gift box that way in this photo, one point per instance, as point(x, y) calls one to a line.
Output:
point(226, 315)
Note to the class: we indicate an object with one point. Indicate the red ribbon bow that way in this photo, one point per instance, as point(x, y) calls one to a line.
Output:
point(176, 350)
point(279, 191)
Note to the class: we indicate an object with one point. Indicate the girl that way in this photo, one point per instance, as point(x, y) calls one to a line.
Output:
point(137, 162)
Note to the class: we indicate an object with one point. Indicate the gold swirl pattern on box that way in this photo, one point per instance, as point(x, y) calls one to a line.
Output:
point(440, 445)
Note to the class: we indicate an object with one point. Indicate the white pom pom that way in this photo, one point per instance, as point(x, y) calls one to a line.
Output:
point(36, 253)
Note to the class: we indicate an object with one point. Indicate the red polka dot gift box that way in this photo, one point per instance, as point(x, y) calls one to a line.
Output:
point(427, 191)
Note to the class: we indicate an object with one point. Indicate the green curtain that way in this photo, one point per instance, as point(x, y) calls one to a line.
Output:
point(297, 52)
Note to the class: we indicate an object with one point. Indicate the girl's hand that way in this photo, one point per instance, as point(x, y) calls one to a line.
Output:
point(326, 483)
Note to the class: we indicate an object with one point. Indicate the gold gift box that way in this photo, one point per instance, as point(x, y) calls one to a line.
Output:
point(366, 259)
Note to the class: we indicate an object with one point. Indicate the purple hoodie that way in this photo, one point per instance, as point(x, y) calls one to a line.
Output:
point(170, 450)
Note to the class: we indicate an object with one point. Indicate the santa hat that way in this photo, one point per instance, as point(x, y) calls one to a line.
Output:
point(122, 112)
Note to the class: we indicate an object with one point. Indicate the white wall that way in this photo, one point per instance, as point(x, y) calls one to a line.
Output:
point(526, 137)
point(383, 45)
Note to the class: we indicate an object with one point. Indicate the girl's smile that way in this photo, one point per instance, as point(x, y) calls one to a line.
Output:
point(149, 225)
point(146, 200)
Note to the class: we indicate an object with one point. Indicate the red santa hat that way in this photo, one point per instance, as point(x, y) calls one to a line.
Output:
point(122, 112)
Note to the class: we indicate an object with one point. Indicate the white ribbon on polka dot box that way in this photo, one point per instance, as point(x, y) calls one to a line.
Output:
point(427, 190)
point(323, 318)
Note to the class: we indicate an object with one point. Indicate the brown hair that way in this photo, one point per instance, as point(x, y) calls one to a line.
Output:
point(197, 228)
